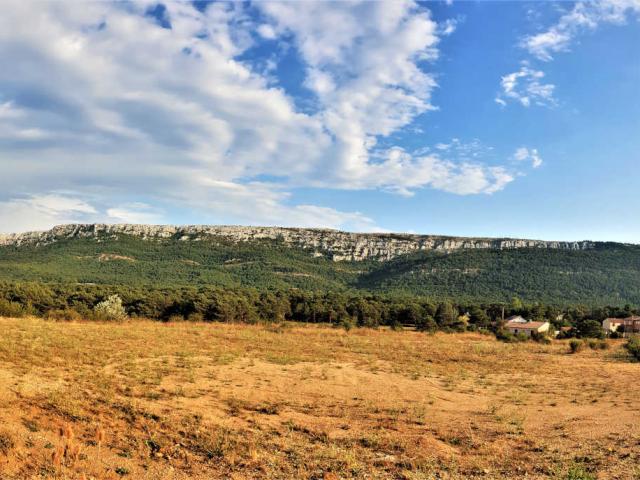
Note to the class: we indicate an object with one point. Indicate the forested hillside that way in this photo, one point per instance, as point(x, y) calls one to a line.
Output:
point(606, 274)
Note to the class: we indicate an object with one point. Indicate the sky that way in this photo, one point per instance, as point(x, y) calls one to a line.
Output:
point(499, 119)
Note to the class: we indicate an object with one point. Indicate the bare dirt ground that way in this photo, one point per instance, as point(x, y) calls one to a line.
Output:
point(145, 400)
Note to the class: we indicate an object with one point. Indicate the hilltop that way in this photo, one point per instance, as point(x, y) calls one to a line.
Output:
point(475, 269)
point(334, 244)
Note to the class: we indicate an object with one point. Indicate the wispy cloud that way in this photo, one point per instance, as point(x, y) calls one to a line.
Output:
point(38, 211)
point(524, 154)
point(526, 87)
point(581, 18)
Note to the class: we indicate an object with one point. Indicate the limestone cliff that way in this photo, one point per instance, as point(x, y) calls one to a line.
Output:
point(334, 244)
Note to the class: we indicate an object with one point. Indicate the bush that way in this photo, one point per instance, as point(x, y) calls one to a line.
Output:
point(6, 443)
point(598, 344)
point(11, 309)
point(579, 473)
point(506, 336)
point(195, 317)
point(66, 315)
point(540, 338)
point(346, 323)
point(110, 309)
point(175, 318)
point(633, 347)
point(426, 324)
point(576, 345)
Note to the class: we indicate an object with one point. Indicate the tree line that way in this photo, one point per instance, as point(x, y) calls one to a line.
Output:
point(247, 305)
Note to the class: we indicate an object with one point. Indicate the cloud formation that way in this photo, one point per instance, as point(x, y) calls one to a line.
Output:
point(126, 104)
point(526, 87)
point(524, 154)
point(583, 17)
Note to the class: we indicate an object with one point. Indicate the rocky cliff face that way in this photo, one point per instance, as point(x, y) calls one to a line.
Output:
point(330, 243)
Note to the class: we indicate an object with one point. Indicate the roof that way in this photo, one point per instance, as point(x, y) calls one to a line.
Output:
point(526, 326)
point(623, 320)
point(516, 319)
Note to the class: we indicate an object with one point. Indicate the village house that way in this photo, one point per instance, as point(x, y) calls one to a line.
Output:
point(627, 326)
point(518, 325)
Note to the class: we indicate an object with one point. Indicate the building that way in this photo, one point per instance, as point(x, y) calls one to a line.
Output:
point(628, 326)
point(516, 327)
point(516, 319)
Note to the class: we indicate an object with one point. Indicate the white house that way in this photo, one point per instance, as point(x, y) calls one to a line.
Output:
point(527, 328)
point(629, 325)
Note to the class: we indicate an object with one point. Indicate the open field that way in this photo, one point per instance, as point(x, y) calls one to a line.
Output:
point(146, 400)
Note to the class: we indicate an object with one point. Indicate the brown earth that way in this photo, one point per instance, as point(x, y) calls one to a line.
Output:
point(145, 400)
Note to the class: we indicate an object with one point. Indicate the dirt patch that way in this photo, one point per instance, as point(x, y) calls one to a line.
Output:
point(109, 257)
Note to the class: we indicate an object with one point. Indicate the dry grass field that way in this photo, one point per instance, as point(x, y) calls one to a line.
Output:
point(145, 400)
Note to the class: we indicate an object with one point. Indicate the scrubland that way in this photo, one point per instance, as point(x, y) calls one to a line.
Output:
point(147, 400)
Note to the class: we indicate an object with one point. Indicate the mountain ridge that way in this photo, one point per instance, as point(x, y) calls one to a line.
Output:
point(334, 244)
point(311, 260)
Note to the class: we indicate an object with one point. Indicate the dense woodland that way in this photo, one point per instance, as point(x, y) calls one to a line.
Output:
point(69, 302)
point(268, 281)
point(606, 275)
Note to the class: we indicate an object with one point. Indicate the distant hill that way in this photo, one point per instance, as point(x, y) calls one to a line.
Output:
point(476, 269)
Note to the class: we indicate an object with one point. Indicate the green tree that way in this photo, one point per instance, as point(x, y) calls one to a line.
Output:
point(446, 315)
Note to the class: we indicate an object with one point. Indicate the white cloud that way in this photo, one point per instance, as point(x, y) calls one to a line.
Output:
point(38, 211)
point(249, 204)
point(524, 154)
point(134, 213)
point(526, 87)
point(448, 27)
point(583, 16)
point(110, 105)
point(266, 31)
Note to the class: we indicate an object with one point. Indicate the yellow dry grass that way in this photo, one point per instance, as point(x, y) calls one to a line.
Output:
point(145, 400)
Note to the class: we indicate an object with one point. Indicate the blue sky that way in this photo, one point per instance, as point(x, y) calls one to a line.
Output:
point(463, 118)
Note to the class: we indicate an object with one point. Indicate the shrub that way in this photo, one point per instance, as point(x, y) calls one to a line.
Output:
point(175, 318)
point(346, 323)
point(579, 473)
point(506, 336)
point(110, 309)
point(11, 309)
point(195, 317)
point(6, 443)
point(426, 324)
point(598, 344)
point(396, 327)
point(576, 345)
point(633, 347)
point(67, 315)
point(540, 338)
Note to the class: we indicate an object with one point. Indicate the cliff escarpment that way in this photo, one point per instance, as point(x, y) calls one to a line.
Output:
point(333, 244)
